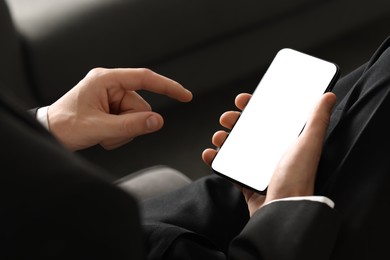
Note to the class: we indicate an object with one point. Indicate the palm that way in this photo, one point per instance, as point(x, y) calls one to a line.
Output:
point(253, 199)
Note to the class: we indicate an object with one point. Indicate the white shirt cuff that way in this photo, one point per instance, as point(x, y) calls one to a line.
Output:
point(321, 199)
point(42, 116)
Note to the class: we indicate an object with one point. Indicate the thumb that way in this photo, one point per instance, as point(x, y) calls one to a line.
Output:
point(131, 125)
point(319, 120)
point(296, 171)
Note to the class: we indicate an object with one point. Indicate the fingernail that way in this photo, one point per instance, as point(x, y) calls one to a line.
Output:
point(189, 95)
point(152, 123)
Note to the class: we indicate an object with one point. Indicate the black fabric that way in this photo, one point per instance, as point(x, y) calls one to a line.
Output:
point(289, 230)
point(355, 166)
point(205, 209)
point(55, 205)
point(210, 220)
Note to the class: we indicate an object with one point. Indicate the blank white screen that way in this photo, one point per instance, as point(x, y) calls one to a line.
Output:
point(273, 118)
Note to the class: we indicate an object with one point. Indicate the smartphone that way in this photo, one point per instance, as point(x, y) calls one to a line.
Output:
point(273, 118)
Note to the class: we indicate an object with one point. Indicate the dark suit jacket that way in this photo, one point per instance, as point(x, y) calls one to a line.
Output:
point(56, 205)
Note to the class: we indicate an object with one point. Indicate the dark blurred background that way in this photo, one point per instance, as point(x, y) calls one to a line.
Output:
point(217, 49)
point(189, 127)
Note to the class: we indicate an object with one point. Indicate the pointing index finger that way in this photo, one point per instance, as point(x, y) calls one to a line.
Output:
point(146, 79)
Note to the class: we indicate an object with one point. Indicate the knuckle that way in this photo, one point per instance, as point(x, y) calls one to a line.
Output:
point(145, 71)
point(145, 75)
point(147, 107)
point(97, 72)
point(129, 128)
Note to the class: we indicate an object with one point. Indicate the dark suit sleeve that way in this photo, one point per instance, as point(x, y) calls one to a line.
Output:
point(288, 230)
point(283, 230)
point(209, 220)
point(33, 111)
point(55, 205)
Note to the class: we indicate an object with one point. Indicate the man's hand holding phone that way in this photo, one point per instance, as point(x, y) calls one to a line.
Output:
point(296, 171)
point(273, 118)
